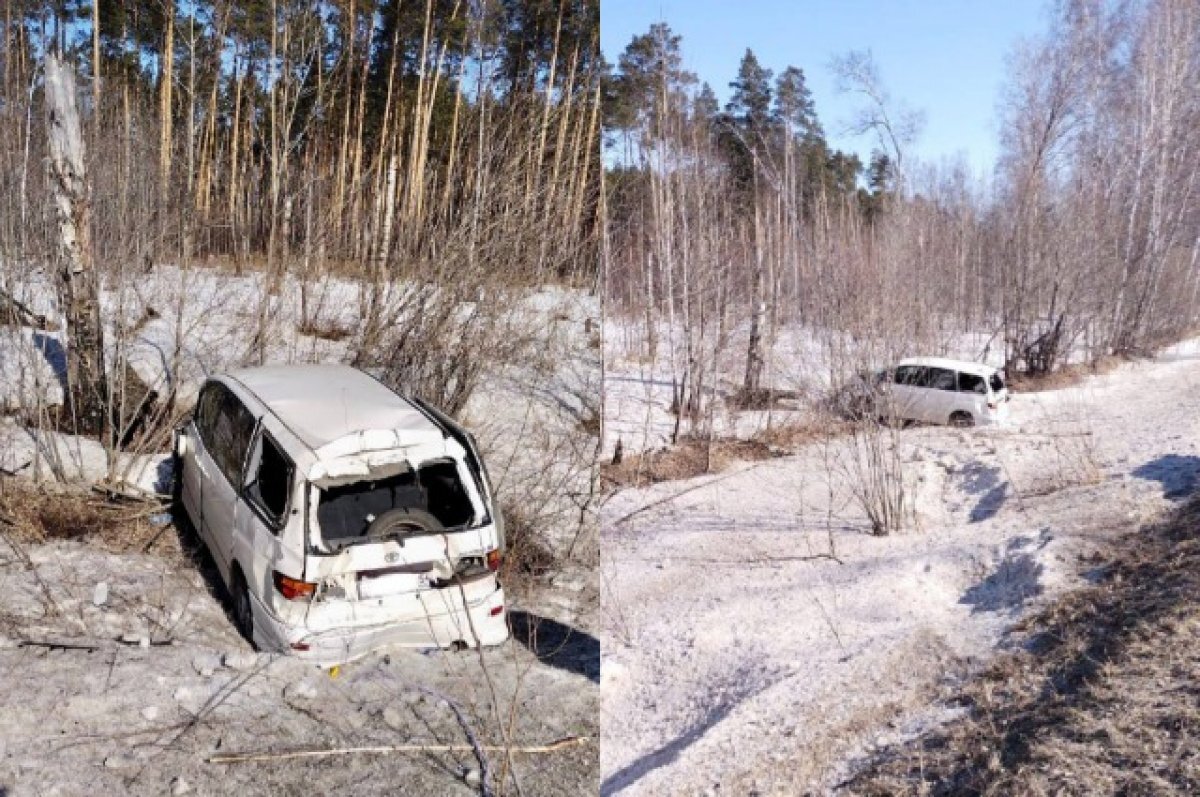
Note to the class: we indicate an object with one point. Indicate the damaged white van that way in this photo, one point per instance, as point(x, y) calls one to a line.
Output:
point(342, 517)
point(937, 390)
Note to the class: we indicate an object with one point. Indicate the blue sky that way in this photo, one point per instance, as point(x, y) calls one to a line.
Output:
point(946, 58)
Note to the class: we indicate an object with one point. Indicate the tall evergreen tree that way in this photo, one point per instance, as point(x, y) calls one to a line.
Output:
point(750, 104)
point(794, 106)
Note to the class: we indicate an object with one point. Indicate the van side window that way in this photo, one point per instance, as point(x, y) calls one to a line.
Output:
point(232, 430)
point(270, 487)
point(908, 375)
point(971, 383)
point(206, 411)
point(941, 379)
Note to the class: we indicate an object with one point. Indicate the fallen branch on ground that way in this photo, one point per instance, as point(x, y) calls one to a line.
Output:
point(761, 560)
point(89, 644)
point(236, 758)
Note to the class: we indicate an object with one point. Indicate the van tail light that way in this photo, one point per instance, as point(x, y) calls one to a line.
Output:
point(496, 610)
point(993, 405)
point(293, 588)
point(494, 559)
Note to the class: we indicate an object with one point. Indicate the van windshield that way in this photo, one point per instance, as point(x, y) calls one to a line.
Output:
point(434, 493)
point(997, 382)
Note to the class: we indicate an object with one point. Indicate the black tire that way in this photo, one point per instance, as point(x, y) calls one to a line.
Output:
point(243, 613)
point(962, 420)
point(400, 523)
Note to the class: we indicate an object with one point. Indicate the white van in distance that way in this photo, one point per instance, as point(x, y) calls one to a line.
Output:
point(937, 390)
point(342, 517)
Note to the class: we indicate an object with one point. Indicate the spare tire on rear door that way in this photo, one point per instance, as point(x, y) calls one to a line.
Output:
point(396, 524)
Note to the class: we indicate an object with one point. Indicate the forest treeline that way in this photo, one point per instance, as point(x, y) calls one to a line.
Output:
point(436, 154)
point(251, 128)
point(730, 225)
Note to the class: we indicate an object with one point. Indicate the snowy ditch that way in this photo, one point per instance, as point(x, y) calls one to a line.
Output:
point(757, 639)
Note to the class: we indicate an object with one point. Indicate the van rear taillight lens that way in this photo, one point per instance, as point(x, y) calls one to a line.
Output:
point(496, 610)
point(493, 560)
point(293, 588)
point(993, 406)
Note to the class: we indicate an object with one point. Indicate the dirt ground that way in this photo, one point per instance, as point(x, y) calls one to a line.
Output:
point(1097, 694)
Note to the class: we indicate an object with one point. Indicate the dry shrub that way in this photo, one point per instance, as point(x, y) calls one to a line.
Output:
point(873, 472)
point(1100, 698)
point(527, 556)
point(325, 329)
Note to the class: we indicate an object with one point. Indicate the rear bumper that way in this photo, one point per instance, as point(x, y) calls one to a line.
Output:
point(342, 631)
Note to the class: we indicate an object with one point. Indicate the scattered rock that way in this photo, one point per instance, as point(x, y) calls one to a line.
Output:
point(120, 762)
point(180, 786)
point(301, 690)
point(150, 713)
point(205, 665)
point(472, 777)
point(240, 661)
point(393, 718)
point(100, 594)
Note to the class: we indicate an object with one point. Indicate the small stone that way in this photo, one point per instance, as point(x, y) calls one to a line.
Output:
point(119, 762)
point(100, 594)
point(301, 690)
point(150, 713)
point(393, 718)
point(472, 777)
point(180, 786)
point(144, 642)
point(241, 661)
point(206, 664)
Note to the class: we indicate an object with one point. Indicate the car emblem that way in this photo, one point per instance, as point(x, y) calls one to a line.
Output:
point(392, 557)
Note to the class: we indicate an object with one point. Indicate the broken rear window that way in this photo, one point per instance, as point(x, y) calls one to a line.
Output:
point(345, 513)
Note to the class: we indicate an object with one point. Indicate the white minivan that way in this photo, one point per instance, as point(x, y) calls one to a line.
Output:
point(937, 390)
point(343, 517)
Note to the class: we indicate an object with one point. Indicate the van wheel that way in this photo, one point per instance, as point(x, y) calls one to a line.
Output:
point(399, 523)
point(243, 614)
point(962, 419)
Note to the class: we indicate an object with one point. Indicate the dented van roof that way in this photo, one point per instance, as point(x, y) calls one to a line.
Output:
point(336, 411)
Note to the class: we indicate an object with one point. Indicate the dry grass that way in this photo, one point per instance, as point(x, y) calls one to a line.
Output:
point(796, 434)
point(696, 456)
point(1067, 376)
point(689, 458)
point(1102, 698)
point(32, 515)
point(325, 329)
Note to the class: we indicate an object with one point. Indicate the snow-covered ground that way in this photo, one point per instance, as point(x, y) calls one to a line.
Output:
point(162, 683)
point(123, 718)
point(756, 639)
